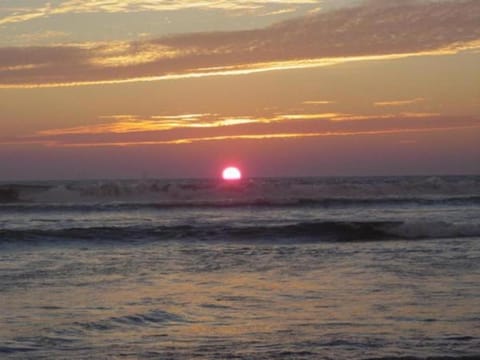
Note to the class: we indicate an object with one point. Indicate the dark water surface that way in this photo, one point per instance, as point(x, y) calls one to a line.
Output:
point(345, 268)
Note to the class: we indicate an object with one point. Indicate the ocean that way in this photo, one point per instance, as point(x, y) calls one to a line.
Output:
point(277, 268)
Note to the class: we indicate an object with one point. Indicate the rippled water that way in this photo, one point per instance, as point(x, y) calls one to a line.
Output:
point(218, 300)
point(283, 281)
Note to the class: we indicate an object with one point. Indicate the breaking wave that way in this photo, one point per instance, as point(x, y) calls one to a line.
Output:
point(325, 231)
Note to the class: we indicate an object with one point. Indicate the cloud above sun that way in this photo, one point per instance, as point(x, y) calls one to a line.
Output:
point(399, 102)
point(178, 129)
point(374, 30)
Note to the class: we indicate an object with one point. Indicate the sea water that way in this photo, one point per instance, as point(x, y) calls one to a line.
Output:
point(302, 268)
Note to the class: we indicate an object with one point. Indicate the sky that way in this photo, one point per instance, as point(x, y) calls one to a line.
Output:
point(181, 88)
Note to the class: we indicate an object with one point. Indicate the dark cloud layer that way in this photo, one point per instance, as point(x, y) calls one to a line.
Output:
point(376, 28)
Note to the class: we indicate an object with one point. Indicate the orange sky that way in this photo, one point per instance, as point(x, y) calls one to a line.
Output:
point(284, 88)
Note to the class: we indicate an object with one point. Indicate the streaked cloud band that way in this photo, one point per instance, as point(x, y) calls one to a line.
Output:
point(348, 34)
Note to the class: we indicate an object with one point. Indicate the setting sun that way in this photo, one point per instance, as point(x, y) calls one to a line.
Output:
point(231, 173)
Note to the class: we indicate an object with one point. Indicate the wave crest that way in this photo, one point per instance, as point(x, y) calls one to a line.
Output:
point(326, 231)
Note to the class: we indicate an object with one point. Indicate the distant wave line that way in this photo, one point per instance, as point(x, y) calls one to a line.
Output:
point(320, 231)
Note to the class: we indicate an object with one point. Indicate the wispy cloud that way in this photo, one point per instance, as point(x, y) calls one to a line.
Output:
point(30, 38)
point(279, 12)
point(263, 136)
point(304, 116)
point(344, 35)
point(124, 6)
point(411, 115)
point(398, 102)
point(274, 136)
point(131, 124)
point(125, 130)
point(318, 102)
point(123, 124)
